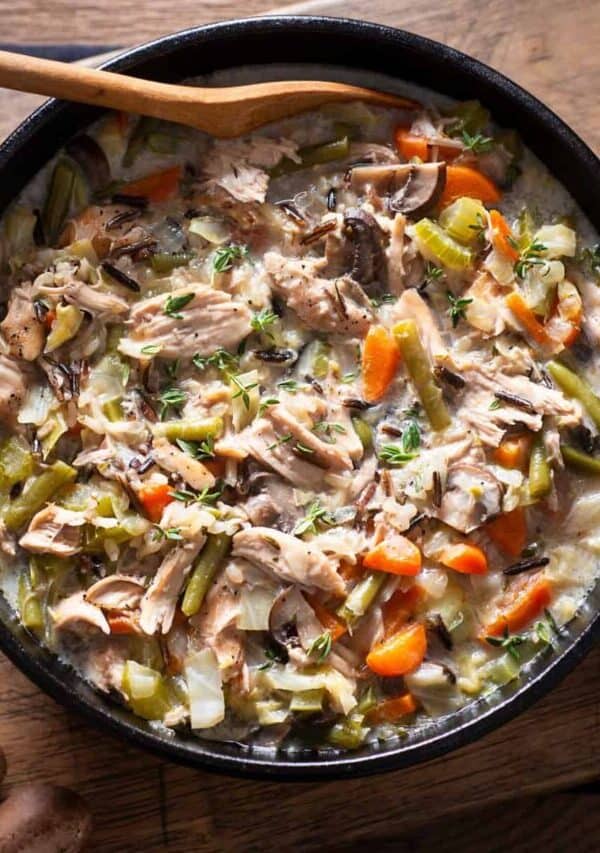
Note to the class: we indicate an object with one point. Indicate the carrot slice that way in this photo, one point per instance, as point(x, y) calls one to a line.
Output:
point(401, 653)
point(49, 318)
point(528, 603)
point(331, 623)
point(410, 145)
point(464, 558)
point(154, 499)
point(462, 180)
point(351, 571)
point(396, 555)
point(159, 186)
point(513, 452)
point(502, 236)
point(527, 318)
point(400, 609)
point(509, 531)
point(122, 624)
point(380, 357)
point(391, 710)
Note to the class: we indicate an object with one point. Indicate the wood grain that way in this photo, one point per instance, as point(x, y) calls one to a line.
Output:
point(141, 803)
point(495, 795)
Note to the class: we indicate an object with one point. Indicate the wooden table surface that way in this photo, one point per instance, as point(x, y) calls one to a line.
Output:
point(508, 791)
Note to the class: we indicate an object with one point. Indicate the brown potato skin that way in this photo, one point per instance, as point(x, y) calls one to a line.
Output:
point(41, 818)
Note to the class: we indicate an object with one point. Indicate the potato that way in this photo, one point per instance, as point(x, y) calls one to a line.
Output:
point(42, 818)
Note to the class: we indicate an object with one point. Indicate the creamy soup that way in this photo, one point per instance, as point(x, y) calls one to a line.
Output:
point(300, 429)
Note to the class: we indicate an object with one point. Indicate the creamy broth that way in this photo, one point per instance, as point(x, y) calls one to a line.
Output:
point(301, 428)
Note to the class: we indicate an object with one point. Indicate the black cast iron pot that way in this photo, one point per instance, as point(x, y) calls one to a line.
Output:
point(356, 45)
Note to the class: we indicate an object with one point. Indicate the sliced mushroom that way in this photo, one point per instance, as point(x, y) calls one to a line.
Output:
point(472, 496)
point(293, 624)
point(115, 592)
point(411, 188)
point(368, 258)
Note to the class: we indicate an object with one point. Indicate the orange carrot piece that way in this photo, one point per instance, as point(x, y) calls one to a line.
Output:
point(328, 620)
point(159, 186)
point(380, 357)
point(527, 318)
point(122, 624)
point(410, 145)
point(401, 653)
point(400, 609)
point(528, 603)
point(154, 499)
point(49, 318)
point(351, 571)
point(392, 709)
point(396, 555)
point(514, 452)
point(462, 180)
point(502, 236)
point(509, 531)
point(465, 558)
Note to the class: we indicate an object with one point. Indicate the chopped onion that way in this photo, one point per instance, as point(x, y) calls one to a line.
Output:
point(36, 408)
point(499, 267)
point(339, 688)
point(255, 607)
point(245, 398)
point(213, 230)
point(559, 241)
point(203, 679)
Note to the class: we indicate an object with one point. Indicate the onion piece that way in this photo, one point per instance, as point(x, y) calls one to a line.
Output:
point(205, 691)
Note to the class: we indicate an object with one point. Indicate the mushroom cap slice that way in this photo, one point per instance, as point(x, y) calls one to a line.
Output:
point(472, 496)
point(411, 188)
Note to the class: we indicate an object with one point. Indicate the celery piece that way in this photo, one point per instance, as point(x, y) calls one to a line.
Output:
point(128, 527)
point(16, 461)
point(525, 229)
point(30, 607)
point(502, 670)
point(361, 597)
point(308, 701)
point(540, 473)
point(83, 248)
point(419, 369)
point(35, 494)
point(437, 245)
point(189, 430)
point(112, 409)
point(66, 324)
point(146, 691)
point(313, 155)
point(364, 432)
point(58, 199)
point(164, 263)
point(349, 733)
point(320, 360)
point(464, 219)
point(212, 555)
point(582, 462)
point(471, 117)
point(575, 386)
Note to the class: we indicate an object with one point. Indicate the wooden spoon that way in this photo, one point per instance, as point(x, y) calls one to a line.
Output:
point(222, 111)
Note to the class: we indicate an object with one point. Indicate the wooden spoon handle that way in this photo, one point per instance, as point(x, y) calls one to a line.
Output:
point(90, 86)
